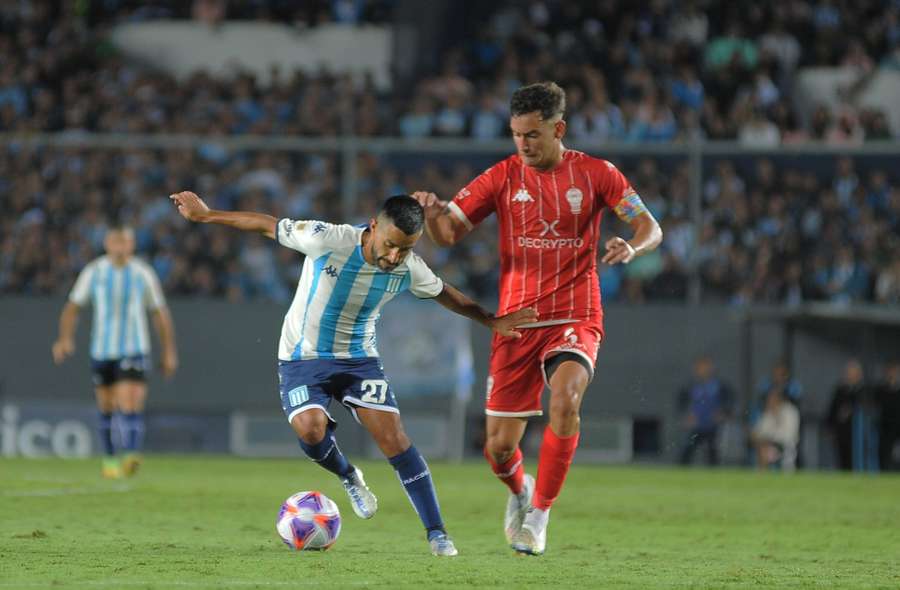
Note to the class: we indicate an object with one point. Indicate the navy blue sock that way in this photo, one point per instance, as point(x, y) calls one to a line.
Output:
point(104, 429)
point(416, 479)
point(133, 431)
point(327, 454)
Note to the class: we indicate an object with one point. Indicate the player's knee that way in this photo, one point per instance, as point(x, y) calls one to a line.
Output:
point(310, 426)
point(565, 407)
point(393, 443)
point(499, 449)
point(565, 399)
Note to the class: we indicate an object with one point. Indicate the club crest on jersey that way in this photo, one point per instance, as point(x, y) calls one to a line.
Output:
point(393, 284)
point(331, 271)
point(522, 196)
point(574, 196)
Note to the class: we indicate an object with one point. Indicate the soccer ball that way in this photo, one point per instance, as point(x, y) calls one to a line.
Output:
point(309, 521)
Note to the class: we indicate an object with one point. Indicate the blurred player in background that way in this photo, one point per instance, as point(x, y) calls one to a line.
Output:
point(548, 201)
point(120, 287)
point(327, 349)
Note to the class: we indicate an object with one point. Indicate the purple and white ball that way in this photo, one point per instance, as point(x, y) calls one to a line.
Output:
point(309, 521)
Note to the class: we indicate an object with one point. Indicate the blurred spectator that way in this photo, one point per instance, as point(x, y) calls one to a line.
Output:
point(887, 398)
point(758, 131)
point(704, 403)
point(776, 433)
point(782, 380)
point(887, 286)
point(848, 397)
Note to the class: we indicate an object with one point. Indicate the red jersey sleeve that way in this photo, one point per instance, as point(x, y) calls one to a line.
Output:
point(478, 199)
point(613, 186)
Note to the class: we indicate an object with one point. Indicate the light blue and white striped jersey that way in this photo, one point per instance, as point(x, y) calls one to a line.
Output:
point(340, 295)
point(120, 295)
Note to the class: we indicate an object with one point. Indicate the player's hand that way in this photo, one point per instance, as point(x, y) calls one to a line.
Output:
point(190, 206)
point(430, 202)
point(506, 325)
point(618, 250)
point(169, 364)
point(62, 349)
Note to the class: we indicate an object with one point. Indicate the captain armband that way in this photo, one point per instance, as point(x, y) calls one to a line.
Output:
point(630, 207)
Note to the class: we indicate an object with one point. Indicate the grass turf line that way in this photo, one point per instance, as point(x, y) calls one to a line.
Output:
point(208, 521)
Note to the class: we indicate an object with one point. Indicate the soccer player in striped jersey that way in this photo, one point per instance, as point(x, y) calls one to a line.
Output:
point(548, 201)
point(328, 350)
point(121, 288)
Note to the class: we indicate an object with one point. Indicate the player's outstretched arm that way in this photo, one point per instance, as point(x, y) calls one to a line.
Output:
point(442, 227)
point(454, 300)
point(165, 329)
point(647, 236)
point(193, 208)
point(64, 346)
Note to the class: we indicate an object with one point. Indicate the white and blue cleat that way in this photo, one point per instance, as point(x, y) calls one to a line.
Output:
point(442, 545)
point(363, 501)
point(516, 508)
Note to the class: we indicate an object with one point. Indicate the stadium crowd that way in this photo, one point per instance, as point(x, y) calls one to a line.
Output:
point(637, 72)
point(771, 230)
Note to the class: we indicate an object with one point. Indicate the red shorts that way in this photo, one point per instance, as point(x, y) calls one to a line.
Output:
point(516, 376)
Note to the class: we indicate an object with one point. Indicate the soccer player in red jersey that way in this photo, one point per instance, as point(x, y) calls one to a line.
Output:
point(548, 201)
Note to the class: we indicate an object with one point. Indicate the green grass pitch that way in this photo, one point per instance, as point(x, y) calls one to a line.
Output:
point(208, 522)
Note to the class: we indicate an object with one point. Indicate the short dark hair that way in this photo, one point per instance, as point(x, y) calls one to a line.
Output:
point(120, 226)
point(546, 97)
point(405, 213)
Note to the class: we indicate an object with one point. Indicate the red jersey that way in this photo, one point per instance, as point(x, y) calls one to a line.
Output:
point(549, 231)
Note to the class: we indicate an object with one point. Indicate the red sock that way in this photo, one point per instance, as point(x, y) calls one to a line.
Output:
point(511, 472)
point(553, 465)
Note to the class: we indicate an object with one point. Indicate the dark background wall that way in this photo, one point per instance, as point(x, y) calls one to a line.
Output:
point(227, 354)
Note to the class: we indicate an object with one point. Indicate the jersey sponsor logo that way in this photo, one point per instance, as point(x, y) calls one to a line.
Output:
point(463, 194)
point(318, 228)
point(550, 243)
point(574, 196)
point(549, 227)
point(331, 271)
point(288, 227)
point(522, 196)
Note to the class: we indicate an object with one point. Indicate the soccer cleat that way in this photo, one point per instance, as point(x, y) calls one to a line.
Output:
point(532, 537)
point(442, 545)
point(516, 507)
point(110, 468)
point(363, 501)
point(131, 463)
